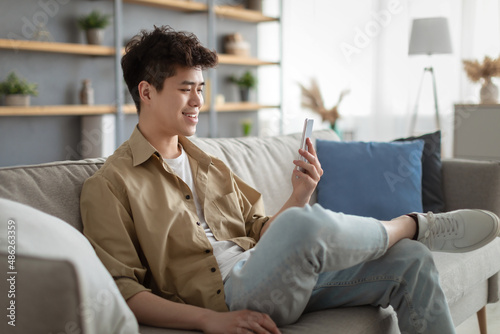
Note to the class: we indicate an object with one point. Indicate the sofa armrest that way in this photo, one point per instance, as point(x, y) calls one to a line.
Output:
point(43, 296)
point(471, 184)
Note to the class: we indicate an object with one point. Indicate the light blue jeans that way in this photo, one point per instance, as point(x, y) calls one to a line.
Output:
point(314, 259)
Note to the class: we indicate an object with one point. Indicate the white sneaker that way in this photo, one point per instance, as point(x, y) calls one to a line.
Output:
point(457, 231)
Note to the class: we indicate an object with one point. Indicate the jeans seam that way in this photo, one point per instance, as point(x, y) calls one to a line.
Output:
point(360, 281)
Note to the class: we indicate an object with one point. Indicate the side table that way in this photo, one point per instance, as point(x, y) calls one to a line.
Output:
point(476, 130)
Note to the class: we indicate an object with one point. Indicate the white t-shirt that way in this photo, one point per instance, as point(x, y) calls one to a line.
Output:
point(226, 252)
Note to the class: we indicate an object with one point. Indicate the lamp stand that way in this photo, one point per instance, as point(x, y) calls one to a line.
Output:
point(415, 110)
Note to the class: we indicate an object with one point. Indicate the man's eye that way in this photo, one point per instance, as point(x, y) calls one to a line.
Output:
point(185, 90)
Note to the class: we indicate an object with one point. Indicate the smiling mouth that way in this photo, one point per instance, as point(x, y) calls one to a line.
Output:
point(190, 115)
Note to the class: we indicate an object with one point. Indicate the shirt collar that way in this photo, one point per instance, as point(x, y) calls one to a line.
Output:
point(142, 150)
point(194, 151)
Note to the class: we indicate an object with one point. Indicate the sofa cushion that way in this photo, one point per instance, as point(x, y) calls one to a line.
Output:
point(352, 320)
point(39, 235)
point(461, 272)
point(373, 179)
point(432, 185)
point(53, 188)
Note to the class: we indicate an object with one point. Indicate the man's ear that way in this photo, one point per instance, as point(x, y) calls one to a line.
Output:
point(145, 91)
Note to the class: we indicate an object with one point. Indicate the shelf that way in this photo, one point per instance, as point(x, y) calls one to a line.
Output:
point(230, 12)
point(228, 59)
point(74, 110)
point(226, 107)
point(98, 50)
point(240, 106)
point(183, 6)
point(242, 14)
point(73, 48)
point(81, 110)
point(129, 109)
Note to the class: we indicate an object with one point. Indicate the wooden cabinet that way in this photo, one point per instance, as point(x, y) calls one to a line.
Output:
point(476, 134)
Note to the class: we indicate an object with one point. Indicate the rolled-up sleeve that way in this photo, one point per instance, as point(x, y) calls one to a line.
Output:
point(252, 208)
point(108, 225)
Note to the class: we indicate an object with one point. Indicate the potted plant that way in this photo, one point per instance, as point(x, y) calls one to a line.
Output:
point(93, 24)
point(17, 91)
point(245, 83)
point(484, 71)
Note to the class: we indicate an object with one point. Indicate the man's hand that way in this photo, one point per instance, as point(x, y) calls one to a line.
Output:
point(305, 182)
point(150, 309)
point(239, 322)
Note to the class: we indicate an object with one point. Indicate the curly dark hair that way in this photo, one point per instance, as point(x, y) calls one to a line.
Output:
point(154, 56)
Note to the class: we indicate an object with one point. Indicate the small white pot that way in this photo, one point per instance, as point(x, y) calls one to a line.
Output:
point(17, 100)
point(489, 93)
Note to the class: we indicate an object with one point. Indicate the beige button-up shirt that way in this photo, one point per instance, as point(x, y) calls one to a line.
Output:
point(142, 221)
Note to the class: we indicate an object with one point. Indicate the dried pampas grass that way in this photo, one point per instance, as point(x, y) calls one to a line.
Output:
point(312, 99)
point(486, 70)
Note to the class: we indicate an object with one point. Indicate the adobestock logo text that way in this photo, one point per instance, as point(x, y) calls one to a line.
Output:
point(48, 9)
point(364, 37)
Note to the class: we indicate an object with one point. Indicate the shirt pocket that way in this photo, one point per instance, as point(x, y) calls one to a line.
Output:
point(228, 222)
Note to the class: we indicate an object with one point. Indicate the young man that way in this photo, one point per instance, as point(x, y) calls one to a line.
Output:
point(186, 240)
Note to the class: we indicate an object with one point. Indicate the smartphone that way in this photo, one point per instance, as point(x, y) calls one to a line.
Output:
point(306, 133)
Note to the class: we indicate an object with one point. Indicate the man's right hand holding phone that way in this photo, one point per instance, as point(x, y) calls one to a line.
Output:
point(308, 171)
point(303, 182)
point(306, 175)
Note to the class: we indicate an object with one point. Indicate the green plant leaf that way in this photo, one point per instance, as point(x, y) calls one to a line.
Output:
point(247, 80)
point(94, 20)
point(15, 85)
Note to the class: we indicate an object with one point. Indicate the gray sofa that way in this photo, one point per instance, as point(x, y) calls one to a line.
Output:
point(470, 280)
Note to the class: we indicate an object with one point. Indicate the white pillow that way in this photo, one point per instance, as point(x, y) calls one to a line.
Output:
point(38, 234)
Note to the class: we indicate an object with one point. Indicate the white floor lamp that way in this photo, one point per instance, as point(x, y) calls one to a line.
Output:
point(429, 36)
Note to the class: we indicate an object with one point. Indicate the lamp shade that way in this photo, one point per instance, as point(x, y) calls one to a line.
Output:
point(430, 36)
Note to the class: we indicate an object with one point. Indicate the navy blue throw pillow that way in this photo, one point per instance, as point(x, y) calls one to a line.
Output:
point(432, 186)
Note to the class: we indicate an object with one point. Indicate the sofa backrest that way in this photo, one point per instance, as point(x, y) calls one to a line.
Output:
point(263, 162)
point(53, 187)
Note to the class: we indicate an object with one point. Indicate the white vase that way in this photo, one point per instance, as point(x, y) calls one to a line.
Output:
point(95, 36)
point(489, 92)
point(17, 100)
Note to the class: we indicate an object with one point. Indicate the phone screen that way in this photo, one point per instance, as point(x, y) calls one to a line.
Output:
point(306, 133)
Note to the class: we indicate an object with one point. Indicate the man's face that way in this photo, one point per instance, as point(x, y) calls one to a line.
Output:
point(176, 108)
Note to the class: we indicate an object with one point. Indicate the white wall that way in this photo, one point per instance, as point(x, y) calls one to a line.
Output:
point(363, 45)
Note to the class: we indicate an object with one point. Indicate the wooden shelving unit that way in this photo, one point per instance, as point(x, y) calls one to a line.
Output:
point(70, 48)
point(231, 12)
point(226, 107)
point(227, 59)
point(183, 6)
point(61, 110)
point(242, 14)
point(98, 50)
point(228, 12)
point(241, 106)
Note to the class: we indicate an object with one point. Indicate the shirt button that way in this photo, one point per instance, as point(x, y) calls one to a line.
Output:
point(213, 270)
point(219, 291)
point(207, 251)
point(198, 223)
point(188, 197)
